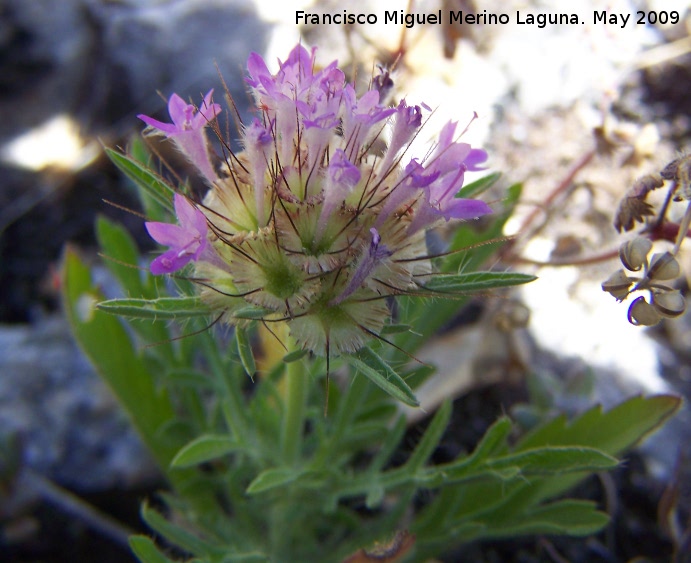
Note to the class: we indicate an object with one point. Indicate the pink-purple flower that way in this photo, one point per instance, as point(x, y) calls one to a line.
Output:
point(187, 241)
point(187, 130)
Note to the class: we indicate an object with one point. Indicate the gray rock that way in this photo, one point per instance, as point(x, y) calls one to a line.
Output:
point(71, 427)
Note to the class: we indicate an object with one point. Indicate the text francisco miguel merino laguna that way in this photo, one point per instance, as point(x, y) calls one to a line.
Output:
point(399, 17)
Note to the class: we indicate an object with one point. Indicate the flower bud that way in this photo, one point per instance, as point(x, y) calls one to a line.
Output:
point(663, 267)
point(634, 253)
point(618, 285)
point(642, 313)
point(669, 303)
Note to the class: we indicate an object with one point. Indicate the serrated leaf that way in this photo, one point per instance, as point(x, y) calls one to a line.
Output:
point(372, 366)
point(612, 431)
point(146, 180)
point(478, 186)
point(146, 551)
point(156, 309)
point(245, 352)
point(272, 478)
point(204, 448)
point(475, 281)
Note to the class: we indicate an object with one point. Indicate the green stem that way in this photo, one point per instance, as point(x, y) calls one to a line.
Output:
point(233, 403)
point(294, 411)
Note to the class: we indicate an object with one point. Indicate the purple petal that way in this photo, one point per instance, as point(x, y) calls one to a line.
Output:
point(475, 158)
point(177, 108)
point(156, 124)
point(460, 208)
point(169, 262)
point(167, 234)
point(207, 111)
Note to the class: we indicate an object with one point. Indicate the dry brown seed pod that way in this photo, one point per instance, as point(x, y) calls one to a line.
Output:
point(663, 266)
point(669, 303)
point(642, 313)
point(618, 285)
point(634, 253)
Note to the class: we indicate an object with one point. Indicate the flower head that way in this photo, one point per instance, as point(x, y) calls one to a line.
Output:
point(314, 226)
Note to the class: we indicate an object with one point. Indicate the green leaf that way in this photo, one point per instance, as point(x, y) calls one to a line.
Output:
point(146, 551)
point(146, 180)
point(367, 362)
point(107, 344)
point(430, 440)
point(251, 313)
point(478, 186)
point(272, 478)
point(552, 460)
point(204, 448)
point(175, 534)
point(156, 309)
point(294, 356)
point(121, 255)
point(612, 431)
point(475, 281)
point(573, 517)
point(395, 329)
point(245, 351)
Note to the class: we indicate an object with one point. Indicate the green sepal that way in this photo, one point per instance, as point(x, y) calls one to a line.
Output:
point(372, 366)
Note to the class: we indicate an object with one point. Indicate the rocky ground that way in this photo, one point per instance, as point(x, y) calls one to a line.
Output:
point(84, 74)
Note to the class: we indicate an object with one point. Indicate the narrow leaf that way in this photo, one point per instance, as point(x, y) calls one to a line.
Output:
point(152, 184)
point(175, 534)
point(294, 356)
point(204, 448)
point(371, 365)
point(156, 309)
point(245, 351)
point(478, 186)
point(551, 460)
point(475, 281)
point(431, 438)
point(122, 256)
point(146, 551)
point(272, 478)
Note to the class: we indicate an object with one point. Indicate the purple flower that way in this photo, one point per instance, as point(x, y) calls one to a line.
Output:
point(407, 121)
point(368, 262)
point(259, 149)
point(446, 168)
point(187, 130)
point(359, 117)
point(187, 240)
point(341, 177)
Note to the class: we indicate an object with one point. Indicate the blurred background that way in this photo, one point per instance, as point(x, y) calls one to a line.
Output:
point(73, 79)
